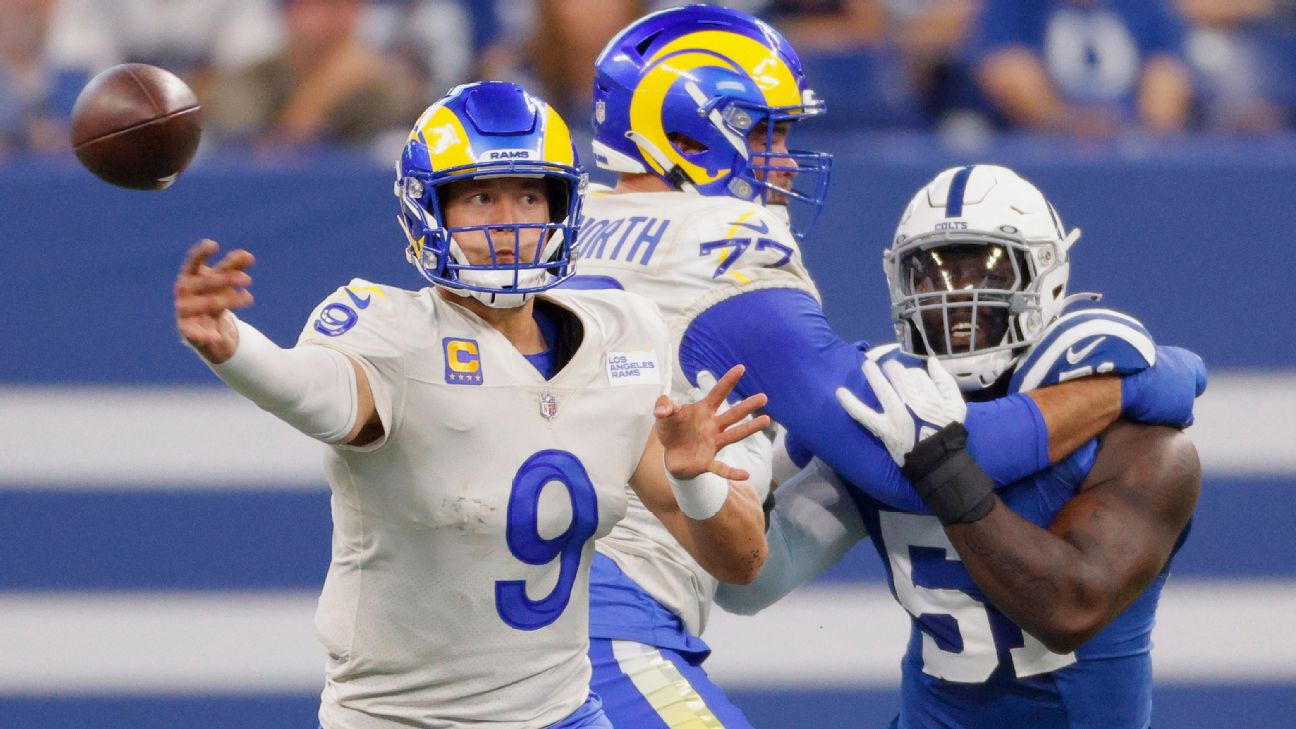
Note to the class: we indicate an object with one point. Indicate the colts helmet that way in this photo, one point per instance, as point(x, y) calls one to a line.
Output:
point(489, 129)
point(977, 271)
point(710, 76)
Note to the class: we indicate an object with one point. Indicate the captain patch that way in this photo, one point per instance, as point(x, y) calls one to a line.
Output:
point(462, 361)
point(633, 368)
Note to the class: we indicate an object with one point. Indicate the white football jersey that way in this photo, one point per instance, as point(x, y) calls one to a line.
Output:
point(687, 253)
point(459, 585)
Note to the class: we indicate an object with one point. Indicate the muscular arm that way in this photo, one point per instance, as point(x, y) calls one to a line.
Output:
point(730, 545)
point(1064, 584)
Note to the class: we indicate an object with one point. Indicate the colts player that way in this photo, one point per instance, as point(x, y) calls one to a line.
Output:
point(1033, 605)
point(467, 490)
point(692, 109)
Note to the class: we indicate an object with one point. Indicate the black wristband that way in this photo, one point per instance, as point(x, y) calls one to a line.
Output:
point(943, 473)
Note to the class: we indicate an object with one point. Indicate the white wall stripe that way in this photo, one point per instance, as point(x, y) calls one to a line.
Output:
point(195, 437)
point(138, 438)
point(1246, 424)
point(820, 637)
point(159, 643)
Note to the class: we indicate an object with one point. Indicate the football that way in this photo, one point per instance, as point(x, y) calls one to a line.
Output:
point(136, 126)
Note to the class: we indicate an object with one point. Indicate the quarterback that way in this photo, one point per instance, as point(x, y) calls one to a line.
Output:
point(481, 433)
point(1031, 605)
point(692, 109)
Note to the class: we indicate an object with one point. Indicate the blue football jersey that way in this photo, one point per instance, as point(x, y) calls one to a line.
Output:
point(967, 665)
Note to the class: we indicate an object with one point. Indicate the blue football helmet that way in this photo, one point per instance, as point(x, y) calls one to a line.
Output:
point(709, 77)
point(481, 130)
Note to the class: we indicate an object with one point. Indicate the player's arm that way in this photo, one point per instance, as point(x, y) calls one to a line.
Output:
point(705, 503)
point(321, 392)
point(1064, 584)
point(1076, 411)
point(794, 357)
point(813, 524)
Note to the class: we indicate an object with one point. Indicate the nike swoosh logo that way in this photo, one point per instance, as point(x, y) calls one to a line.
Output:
point(763, 228)
point(359, 302)
point(1073, 356)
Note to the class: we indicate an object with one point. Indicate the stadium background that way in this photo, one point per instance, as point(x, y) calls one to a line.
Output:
point(162, 542)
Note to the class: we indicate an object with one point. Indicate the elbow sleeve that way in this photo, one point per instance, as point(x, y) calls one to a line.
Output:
point(311, 388)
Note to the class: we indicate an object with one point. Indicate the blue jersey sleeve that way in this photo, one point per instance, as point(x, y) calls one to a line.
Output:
point(798, 361)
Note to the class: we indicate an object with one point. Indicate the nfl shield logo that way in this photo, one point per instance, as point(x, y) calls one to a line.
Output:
point(600, 111)
point(548, 405)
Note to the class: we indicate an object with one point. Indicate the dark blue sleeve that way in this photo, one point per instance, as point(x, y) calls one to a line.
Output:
point(1008, 438)
point(798, 361)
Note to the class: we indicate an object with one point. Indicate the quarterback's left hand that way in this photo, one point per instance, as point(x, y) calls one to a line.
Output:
point(693, 434)
point(915, 404)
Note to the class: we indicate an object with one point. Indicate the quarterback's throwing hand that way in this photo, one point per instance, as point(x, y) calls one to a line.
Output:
point(205, 293)
point(915, 404)
point(693, 434)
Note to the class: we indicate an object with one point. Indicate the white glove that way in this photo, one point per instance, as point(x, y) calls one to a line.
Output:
point(915, 404)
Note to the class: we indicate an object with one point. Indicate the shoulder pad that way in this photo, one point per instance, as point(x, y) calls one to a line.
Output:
point(1087, 342)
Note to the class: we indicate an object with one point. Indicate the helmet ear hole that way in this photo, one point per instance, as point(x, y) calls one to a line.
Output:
point(686, 145)
point(559, 194)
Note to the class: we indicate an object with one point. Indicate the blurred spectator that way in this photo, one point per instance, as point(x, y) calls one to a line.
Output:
point(568, 37)
point(1083, 67)
point(34, 98)
point(195, 39)
point(851, 59)
point(931, 35)
point(817, 26)
point(443, 43)
point(327, 85)
point(1242, 52)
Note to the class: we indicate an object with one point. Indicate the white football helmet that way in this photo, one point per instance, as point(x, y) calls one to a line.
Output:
point(977, 270)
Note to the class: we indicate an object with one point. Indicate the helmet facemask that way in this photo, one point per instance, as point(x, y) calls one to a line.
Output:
point(759, 172)
point(970, 299)
point(523, 258)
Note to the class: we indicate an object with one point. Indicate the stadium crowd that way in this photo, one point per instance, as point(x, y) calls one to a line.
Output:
point(282, 74)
